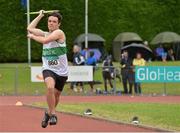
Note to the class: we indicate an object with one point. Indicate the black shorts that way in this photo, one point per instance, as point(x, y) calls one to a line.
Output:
point(59, 80)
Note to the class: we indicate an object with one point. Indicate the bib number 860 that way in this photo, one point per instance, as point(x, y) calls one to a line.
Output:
point(52, 62)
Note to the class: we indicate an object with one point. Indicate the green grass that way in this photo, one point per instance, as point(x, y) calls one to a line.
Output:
point(24, 86)
point(152, 114)
point(9, 83)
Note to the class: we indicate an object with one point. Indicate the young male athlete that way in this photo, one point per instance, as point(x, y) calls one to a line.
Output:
point(54, 58)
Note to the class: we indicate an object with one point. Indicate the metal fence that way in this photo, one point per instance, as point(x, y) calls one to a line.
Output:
point(17, 81)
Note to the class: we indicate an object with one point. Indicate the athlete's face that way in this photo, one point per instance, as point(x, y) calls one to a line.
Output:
point(53, 23)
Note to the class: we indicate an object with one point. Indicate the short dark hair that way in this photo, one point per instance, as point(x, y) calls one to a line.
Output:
point(56, 14)
point(91, 53)
point(125, 51)
point(139, 53)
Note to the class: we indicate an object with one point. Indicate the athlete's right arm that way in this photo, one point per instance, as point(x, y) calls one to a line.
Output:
point(32, 26)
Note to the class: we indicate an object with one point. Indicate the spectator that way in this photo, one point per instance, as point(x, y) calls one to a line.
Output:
point(127, 72)
point(171, 55)
point(138, 61)
point(78, 60)
point(160, 53)
point(91, 60)
point(107, 73)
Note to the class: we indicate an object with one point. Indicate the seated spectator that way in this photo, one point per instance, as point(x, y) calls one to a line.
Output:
point(107, 73)
point(138, 61)
point(160, 53)
point(170, 55)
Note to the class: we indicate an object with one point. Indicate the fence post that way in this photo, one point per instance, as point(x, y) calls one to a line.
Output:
point(16, 81)
point(164, 93)
point(114, 86)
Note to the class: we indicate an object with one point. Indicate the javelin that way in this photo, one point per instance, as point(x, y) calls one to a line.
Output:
point(49, 11)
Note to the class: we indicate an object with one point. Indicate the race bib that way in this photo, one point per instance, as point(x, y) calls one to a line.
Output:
point(53, 61)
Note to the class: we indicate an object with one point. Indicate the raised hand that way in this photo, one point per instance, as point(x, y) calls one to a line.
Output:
point(41, 12)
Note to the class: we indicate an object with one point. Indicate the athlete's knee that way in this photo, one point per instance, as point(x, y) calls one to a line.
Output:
point(50, 89)
point(50, 85)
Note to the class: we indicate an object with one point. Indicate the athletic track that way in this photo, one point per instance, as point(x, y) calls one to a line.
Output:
point(24, 118)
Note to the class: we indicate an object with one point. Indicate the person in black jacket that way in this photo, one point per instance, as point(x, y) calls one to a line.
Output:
point(107, 73)
point(127, 72)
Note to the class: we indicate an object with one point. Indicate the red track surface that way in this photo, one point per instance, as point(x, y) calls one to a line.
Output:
point(13, 118)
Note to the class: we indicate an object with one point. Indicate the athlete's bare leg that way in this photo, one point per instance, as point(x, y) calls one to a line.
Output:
point(57, 94)
point(50, 85)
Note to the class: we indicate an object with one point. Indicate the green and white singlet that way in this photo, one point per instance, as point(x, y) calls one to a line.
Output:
point(54, 57)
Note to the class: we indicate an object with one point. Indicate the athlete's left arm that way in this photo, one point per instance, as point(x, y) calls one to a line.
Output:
point(55, 35)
